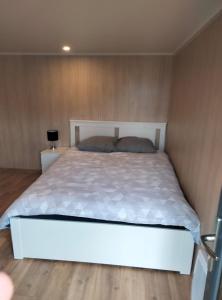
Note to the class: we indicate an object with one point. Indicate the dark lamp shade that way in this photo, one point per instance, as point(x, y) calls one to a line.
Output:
point(52, 135)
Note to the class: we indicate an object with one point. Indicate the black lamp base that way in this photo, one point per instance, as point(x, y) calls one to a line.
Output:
point(52, 146)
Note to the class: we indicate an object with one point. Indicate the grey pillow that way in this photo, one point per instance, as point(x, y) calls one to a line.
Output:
point(135, 144)
point(98, 144)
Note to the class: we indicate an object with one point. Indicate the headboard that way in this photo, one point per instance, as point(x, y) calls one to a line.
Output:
point(82, 129)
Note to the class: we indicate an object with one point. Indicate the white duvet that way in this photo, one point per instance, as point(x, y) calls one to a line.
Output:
point(125, 187)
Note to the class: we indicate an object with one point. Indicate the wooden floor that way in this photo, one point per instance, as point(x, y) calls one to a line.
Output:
point(50, 280)
point(13, 183)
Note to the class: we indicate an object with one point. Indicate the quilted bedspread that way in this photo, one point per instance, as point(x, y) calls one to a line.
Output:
point(125, 187)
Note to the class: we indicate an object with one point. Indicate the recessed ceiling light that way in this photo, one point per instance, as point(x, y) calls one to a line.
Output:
point(66, 48)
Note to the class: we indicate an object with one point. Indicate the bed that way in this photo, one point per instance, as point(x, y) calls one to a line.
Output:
point(110, 208)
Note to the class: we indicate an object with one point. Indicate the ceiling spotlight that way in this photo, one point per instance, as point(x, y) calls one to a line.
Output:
point(66, 48)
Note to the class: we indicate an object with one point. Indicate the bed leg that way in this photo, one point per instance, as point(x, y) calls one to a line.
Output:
point(186, 270)
point(16, 234)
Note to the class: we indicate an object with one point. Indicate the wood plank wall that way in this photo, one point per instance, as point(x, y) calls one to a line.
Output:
point(195, 121)
point(42, 92)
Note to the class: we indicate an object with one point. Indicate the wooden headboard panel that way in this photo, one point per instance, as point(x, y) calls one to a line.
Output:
point(82, 129)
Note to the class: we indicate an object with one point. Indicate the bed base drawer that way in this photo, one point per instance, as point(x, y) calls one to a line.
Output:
point(113, 244)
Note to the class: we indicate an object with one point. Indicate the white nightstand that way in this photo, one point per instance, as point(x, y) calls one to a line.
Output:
point(48, 157)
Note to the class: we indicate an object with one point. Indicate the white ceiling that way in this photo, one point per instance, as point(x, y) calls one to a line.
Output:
point(101, 26)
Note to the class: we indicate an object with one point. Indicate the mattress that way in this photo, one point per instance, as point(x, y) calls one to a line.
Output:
point(123, 187)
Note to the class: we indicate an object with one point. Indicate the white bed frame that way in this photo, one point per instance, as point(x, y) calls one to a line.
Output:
point(152, 247)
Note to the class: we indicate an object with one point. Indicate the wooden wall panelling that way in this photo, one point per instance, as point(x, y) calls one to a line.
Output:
point(42, 92)
point(194, 139)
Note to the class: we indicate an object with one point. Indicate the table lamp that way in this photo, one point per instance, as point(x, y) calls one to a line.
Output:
point(52, 136)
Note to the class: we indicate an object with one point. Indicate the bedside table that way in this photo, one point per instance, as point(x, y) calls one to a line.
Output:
point(49, 156)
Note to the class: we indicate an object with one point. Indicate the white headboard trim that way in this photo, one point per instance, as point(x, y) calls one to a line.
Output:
point(109, 128)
